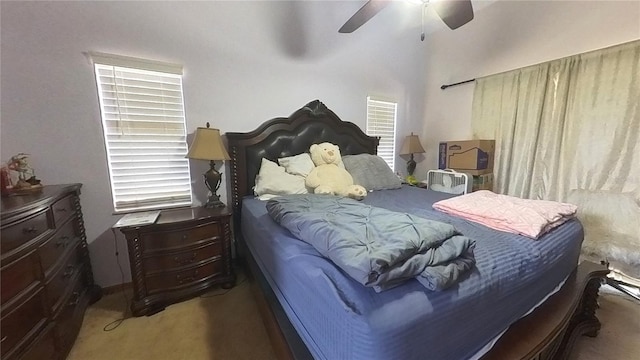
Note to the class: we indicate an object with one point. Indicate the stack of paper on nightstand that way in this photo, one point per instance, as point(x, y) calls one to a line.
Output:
point(137, 219)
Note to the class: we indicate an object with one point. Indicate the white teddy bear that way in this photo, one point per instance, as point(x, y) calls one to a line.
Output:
point(329, 178)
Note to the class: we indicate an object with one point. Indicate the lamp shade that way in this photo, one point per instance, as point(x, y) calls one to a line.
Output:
point(411, 145)
point(207, 145)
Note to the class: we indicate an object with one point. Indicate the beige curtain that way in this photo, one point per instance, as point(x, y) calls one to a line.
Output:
point(569, 130)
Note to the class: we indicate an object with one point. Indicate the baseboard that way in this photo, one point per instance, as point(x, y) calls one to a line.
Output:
point(108, 290)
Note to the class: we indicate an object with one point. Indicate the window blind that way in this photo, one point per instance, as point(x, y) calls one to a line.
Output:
point(145, 136)
point(381, 121)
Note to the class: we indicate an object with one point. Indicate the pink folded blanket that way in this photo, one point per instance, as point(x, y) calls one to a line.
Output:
point(530, 218)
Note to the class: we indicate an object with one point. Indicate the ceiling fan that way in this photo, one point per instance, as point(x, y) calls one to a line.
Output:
point(454, 13)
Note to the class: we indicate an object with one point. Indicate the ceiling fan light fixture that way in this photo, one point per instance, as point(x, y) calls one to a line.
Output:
point(454, 13)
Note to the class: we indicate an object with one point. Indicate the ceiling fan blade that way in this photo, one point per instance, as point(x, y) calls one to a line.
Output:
point(454, 13)
point(366, 12)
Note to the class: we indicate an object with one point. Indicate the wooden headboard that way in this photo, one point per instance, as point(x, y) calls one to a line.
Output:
point(286, 136)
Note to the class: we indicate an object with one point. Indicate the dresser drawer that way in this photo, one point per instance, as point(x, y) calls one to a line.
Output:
point(19, 275)
point(15, 235)
point(69, 320)
point(65, 278)
point(180, 238)
point(43, 348)
point(63, 209)
point(45, 266)
point(60, 243)
point(22, 324)
point(172, 261)
point(179, 279)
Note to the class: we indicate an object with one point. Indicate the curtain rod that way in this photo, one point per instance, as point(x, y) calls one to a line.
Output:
point(456, 84)
point(544, 62)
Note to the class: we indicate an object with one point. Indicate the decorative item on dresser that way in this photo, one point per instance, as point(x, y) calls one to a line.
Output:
point(184, 253)
point(26, 180)
point(46, 276)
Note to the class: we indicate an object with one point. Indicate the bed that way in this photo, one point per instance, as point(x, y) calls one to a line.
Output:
point(535, 309)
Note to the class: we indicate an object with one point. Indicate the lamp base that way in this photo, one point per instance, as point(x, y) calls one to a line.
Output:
point(212, 180)
point(411, 166)
point(214, 202)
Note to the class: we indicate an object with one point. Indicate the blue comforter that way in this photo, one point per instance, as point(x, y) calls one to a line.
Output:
point(377, 247)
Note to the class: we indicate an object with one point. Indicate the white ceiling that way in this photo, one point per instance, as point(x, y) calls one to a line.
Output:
point(301, 29)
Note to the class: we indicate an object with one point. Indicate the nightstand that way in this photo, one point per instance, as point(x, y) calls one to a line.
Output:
point(183, 254)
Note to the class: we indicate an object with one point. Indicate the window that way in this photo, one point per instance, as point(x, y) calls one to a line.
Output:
point(381, 121)
point(144, 132)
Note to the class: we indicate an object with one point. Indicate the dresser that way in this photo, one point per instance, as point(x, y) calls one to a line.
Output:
point(183, 254)
point(46, 278)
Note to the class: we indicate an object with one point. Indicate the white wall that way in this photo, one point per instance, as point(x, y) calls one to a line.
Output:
point(508, 35)
point(245, 62)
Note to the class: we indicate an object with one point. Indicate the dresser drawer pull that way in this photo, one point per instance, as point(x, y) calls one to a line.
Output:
point(70, 270)
point(3, 338)
point(186, 260)
point(187, 279)
point(75, 301)
point(64, 241)
point(184, 237)
point(61, 209)
point(30, 230)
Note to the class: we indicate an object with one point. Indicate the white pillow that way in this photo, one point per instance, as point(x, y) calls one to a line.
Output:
point(298, 164)
point(273, 180)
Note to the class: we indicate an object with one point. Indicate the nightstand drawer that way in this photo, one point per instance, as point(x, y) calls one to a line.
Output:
point(178, 279)
point(183, 254)
point(177, 239)
point(171, 261)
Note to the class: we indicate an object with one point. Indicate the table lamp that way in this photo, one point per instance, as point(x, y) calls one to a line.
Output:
point(411, 146)
point(207, 145)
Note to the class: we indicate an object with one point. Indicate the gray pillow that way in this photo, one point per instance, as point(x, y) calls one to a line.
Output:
point(371, 171)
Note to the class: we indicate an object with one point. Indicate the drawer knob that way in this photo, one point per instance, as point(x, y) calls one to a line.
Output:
point(186, 260)
point(69, 271)
point(76, 299)
point(187, 279)
point(30, 230)
point(63, 242)
point(3, 338)
point(61, 209)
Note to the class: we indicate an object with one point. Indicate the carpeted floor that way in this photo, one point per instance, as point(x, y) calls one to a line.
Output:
point(219, 325)
point(619, 337)
point(226, 325)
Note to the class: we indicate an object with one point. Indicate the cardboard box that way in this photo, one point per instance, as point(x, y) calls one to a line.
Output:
point(473, 157)
point(482, 182)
